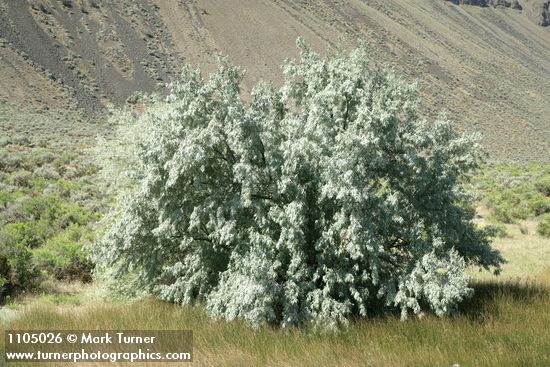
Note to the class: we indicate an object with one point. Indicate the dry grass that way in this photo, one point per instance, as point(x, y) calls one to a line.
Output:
point(505, 324)
point(527, 254)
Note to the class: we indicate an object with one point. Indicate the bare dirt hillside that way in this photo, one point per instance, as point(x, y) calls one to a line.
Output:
point(486, 62)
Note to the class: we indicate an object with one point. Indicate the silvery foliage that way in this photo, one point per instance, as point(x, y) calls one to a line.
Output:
point(322, 200)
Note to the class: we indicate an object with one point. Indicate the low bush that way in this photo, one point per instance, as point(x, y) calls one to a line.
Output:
point(513, 191)
point(543, 227)
point(18, 271)
point(497, 230)
point(44, 215)
point(543, 185)
point(64, 256)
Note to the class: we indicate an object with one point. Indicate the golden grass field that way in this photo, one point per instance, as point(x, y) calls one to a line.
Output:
point(504, 324)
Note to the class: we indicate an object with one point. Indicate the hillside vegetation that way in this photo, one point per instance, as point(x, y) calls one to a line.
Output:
point(48, 197)
point(488, 66)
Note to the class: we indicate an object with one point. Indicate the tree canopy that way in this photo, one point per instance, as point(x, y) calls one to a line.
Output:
point(321, 200)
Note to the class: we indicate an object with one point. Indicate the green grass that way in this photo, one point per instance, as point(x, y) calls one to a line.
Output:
point(61, 299)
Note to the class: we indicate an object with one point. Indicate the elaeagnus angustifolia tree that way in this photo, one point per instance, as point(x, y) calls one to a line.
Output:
point(325, 199)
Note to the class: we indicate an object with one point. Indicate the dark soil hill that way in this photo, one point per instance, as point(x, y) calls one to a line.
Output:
point(488, 65)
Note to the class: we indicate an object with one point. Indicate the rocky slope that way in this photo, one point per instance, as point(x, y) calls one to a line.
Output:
point(98, 52)
point(495, 3)
point(488, 66)
point(538, 10)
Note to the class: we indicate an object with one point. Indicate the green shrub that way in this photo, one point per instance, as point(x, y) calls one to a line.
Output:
point(20, 233)
point(63, 255)
point(47, 172)
point(10, 161)
point(17, 270)
point(523, 229)
point(539, 204)
point(21, 178)
point(543, 185)
point(522, 210)
point(59, 213)
point(503, 213)
point(543, 227)
point(514, 192)
point(497, 230)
